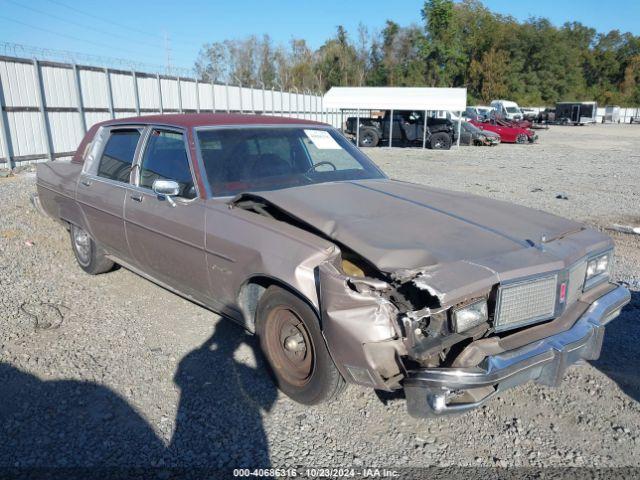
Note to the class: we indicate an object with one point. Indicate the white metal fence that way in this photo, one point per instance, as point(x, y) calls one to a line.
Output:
point(625, 114)
point(46, 107)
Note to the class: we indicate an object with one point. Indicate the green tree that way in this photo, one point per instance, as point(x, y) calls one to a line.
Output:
point(460, 44)
point(442, 49)
point(489, 75)
point(630, 87)
point(336, 61)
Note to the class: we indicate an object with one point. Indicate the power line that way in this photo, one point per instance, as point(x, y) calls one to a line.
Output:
point(46, 30)
point(87, 27)
point(103, 19)
point(71, 37)
point(117, 24)
point(88, 59)
point(81, 25)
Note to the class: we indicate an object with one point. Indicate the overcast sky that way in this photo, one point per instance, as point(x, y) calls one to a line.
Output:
point(135, 29)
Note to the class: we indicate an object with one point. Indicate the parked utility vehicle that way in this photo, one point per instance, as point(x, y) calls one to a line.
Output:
point(408, 129)
point(506, 109)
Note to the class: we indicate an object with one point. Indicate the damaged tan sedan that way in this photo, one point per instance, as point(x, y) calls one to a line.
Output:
point(345, 275)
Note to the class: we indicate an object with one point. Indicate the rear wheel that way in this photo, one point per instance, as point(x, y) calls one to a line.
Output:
point(369, 137)
point(522, 138)
point(440, 141)
point(89, 256)
point(293, 345)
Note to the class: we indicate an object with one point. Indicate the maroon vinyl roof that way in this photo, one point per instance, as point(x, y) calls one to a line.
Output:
point(209, 119)
point(190, 120)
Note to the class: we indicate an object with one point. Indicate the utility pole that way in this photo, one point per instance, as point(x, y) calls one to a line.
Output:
point(167, 50)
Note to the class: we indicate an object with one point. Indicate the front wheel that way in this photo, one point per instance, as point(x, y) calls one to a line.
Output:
point(89, 256)
point(294, 347)
point(522, 138)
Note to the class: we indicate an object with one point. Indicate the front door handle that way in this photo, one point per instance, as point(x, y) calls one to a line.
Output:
point(137, 197)
point(86, 182)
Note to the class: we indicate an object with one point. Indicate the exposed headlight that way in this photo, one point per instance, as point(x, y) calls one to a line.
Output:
point(352, 269)
point(598, 269)
point(468, 316)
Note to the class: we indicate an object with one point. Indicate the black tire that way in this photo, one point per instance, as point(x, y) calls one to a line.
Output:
point(440, 141)
point(89, 256)
point(369, 137)
point(277, 310)
point(522, 139)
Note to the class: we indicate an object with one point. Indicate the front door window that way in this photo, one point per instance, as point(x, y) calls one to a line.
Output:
point(165, 158)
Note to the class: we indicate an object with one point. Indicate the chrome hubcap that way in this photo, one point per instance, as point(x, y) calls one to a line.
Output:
point(295, 343)
point(82, 243)
point(289, 346)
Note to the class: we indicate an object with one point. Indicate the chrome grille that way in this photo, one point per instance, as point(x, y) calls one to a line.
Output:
point(576, 281)
point(526, 302)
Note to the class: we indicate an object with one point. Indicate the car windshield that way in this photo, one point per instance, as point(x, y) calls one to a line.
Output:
point(513, 110)
point(251, 159)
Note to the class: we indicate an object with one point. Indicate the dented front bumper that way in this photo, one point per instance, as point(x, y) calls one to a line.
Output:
point(437, 391)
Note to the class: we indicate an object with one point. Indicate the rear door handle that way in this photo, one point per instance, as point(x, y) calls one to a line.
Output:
point(137, 197)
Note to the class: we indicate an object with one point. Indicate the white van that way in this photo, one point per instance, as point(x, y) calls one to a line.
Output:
point(507, 109)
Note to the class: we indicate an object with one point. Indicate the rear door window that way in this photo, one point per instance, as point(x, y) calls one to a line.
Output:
point(117, 156)
point(165, 158)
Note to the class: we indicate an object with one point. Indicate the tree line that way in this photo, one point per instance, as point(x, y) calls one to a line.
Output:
point(454, 45)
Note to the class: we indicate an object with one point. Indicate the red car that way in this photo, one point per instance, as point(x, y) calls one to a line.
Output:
point(508, 134)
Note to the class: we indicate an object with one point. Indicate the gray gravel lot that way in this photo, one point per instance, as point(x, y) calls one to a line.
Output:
point(114, 371)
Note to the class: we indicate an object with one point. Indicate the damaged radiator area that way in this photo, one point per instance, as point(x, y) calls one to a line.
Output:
point(400, 320)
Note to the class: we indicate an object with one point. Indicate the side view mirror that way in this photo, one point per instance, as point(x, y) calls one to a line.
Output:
point(166, 189)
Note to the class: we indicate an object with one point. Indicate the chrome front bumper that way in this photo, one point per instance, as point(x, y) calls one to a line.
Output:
point(433, 391)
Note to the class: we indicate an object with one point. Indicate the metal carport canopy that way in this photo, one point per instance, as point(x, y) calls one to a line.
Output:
point(396, 98)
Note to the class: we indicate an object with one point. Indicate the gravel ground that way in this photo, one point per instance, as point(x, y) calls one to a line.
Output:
point(114, 371)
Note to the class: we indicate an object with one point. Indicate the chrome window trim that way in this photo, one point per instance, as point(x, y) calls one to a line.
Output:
point(134, 182)
point(246, 126)
point(108, 181)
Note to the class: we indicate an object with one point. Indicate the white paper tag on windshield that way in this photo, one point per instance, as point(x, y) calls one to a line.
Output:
point(322, 140)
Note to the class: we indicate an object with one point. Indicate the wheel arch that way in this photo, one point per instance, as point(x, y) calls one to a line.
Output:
point(253, 288)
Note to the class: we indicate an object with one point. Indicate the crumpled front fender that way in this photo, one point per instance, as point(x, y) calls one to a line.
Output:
point(361, 330)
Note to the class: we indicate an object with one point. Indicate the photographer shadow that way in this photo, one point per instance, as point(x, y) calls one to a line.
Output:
point(620, 356)
point(57, 425)
point(219, 418)
point(70, 424)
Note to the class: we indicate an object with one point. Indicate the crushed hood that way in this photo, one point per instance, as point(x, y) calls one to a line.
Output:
point(402, 226)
